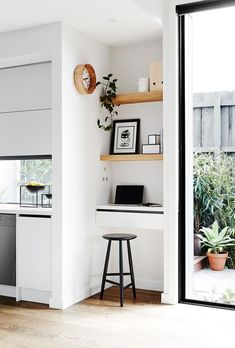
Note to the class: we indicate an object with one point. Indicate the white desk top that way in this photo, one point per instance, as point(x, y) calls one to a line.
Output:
point(16, 209)
point(133, 208)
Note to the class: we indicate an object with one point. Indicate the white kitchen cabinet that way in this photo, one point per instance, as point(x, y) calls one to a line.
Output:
point(25, 87)
point(25, 133)
point(25, 110)
point(34, 252)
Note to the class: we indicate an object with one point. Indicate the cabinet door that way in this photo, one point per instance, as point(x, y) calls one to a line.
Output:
point(25, 87)
point(34, 252)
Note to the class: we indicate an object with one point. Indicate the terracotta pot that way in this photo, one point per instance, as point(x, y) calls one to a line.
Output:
point(217, 261)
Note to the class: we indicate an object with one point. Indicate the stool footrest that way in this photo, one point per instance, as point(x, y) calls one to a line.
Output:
point(117, 274)
point(112, 282)
point(118, 284)
point(127, 286)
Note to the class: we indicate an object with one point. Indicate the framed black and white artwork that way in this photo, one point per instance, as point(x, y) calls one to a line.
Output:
point(125, 137)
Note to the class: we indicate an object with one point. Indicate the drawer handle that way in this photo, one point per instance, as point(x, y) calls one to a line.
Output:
point(36, 216)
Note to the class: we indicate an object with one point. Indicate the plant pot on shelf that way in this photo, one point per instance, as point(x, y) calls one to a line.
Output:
point(217, 261)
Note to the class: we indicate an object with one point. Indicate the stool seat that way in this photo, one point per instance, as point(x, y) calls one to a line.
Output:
point(119, 236)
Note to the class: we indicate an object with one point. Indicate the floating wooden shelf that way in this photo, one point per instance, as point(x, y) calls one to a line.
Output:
point(139, 157)
point(143, 97)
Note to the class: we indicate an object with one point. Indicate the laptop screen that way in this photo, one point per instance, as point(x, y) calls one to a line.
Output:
point(129, 194)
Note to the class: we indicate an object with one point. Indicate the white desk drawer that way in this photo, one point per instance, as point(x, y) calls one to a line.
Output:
point(129, 219)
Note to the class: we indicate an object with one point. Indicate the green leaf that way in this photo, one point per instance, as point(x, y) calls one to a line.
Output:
point(223, 232)
point(215, 227)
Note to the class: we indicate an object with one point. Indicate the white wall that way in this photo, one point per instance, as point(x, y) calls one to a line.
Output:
point(128, 64)
point(82, 187)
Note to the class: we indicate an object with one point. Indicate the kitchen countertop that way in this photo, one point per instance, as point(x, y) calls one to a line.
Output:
point(16, 209)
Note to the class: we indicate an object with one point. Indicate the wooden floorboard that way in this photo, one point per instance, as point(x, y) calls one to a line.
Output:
point(141, 323)
point(111, 297)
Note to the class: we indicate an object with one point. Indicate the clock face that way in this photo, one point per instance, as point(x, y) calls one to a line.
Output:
point(85, 78)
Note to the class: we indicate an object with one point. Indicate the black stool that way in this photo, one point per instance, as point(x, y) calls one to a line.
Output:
point(119, 237)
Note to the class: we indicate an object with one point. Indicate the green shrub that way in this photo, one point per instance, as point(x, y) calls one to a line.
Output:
point(214, 197)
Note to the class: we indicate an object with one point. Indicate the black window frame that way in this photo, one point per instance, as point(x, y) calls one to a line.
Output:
point(182, 10)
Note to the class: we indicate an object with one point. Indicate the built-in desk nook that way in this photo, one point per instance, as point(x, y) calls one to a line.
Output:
point(122, 164)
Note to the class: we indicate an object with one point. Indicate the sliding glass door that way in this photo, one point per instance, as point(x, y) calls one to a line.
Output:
point(207, 152)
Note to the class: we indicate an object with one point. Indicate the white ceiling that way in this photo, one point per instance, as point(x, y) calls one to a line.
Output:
point(113, 22)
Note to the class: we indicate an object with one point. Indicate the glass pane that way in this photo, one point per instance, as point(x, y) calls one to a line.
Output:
point(210, 156)
point(14, 173)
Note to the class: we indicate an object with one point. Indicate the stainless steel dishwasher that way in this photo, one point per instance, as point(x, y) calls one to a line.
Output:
point(8, 249)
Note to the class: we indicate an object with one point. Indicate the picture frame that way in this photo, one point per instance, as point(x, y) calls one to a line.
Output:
point(125, 137)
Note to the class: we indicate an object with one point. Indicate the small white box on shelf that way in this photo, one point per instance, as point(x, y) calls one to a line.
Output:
point(154, 139)
point(151, 148)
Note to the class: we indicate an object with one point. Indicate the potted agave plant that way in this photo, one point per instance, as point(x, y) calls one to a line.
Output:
point(216, 243)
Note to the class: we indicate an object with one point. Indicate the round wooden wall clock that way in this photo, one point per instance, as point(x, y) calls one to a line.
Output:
point(85, 78)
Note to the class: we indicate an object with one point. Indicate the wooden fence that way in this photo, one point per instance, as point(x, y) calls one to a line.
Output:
point(214, 122)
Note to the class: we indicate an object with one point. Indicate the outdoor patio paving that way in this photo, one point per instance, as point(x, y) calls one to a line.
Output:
point(211, 285)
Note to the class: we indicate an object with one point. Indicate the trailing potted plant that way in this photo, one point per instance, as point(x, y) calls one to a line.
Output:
point(216, 243)
point(110, 89)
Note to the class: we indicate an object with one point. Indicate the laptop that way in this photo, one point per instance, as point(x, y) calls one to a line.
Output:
point(129, 194)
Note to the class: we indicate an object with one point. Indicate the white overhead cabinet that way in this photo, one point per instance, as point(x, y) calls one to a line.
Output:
point(34, 257)
point(25, 133)
point(25, 87)
point(25, 110)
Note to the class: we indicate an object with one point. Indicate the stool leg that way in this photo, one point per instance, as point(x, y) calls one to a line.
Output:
point(121, 272)
point(131, 268)
point(105, 270)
